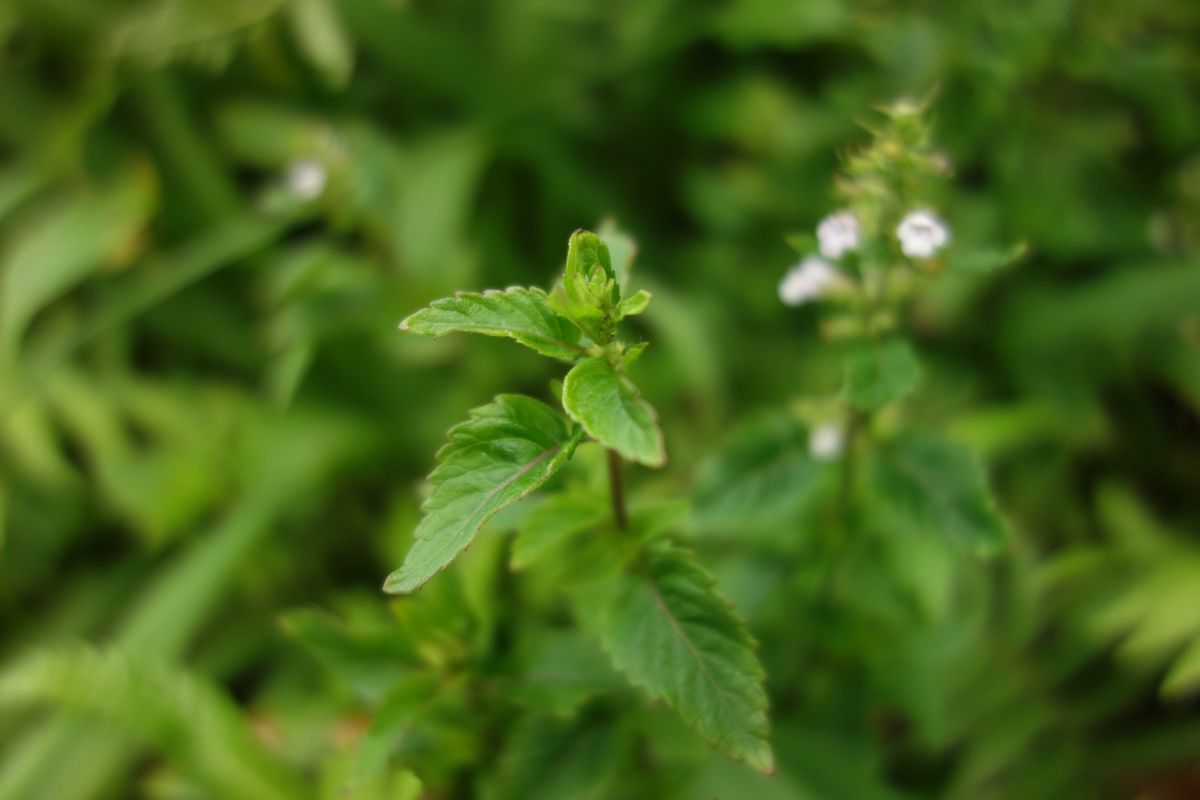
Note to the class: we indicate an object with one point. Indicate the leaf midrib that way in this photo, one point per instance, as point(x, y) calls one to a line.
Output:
point(677, 627)
point(491, 495)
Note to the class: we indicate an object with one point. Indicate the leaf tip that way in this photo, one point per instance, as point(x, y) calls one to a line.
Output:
point(397, 583)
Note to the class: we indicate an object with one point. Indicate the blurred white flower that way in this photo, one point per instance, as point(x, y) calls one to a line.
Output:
point(826, 441)
point(306, 178)
point(838, 234)
point(922, 233)
point(806, 281)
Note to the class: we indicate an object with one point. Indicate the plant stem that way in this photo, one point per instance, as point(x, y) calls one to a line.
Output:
point(854, 423)
point(616, 484)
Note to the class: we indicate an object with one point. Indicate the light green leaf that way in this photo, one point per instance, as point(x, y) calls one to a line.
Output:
point(1183, 679)
point(322, 37)
point(634, 304)
point(554, 522)
point(503, 452)
point(763, 476)
point(589, 293)
point(939, 485)
point(622, 250)
point(520, 314)
point(669, 631)
point(880, 373)
point(586, 250)
point(632, 353)
point(67, 243)
point(612, 412)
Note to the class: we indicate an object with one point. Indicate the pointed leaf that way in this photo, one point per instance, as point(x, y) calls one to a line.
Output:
point(880, 373)
point(503, 452)
point(612, 412)
point(521, 314)
point(584, 251)
point(670, 632)
point(939, 485)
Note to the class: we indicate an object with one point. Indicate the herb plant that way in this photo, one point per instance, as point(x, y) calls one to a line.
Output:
point(654, 610)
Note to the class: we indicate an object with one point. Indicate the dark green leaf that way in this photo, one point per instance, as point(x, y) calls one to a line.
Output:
point(939, 485)
point(503, 452)
point(524, 315)
point(880, 373)
point(670, 632)
point(983, 259)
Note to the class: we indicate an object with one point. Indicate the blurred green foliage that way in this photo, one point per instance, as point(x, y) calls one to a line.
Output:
point(214, 214)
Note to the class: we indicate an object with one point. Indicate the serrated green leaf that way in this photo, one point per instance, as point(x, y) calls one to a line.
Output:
point(669, 631)
point(880, 373)
point(763, 476)
point(939, 485)
point(612, 412)
point(523, 315)
point(553, 522)
point(503, 452)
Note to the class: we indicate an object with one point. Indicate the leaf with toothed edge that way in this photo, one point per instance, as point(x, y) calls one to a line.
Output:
point(665, 626)
point(612, 411)
point(523, 315)
point(503, 452)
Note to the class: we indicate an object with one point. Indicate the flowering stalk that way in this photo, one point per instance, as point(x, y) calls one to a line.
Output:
point(866, 261)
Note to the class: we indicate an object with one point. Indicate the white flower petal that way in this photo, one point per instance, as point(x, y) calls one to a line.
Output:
point(306, 178)
point(806, 281)
point(838, 234)
point(922, 233)
point(826, 441)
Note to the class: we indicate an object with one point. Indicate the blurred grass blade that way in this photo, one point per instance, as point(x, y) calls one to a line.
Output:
point(168, 708)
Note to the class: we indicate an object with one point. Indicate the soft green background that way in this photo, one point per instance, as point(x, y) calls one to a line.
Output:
point(208, 419)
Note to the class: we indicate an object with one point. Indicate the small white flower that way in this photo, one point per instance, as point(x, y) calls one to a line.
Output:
point(838, 234)
point(826, 441)
point(922, 233)
point(806, 281)
point(306, 178)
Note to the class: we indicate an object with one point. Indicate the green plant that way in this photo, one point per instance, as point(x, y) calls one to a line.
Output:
point(654, 610)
